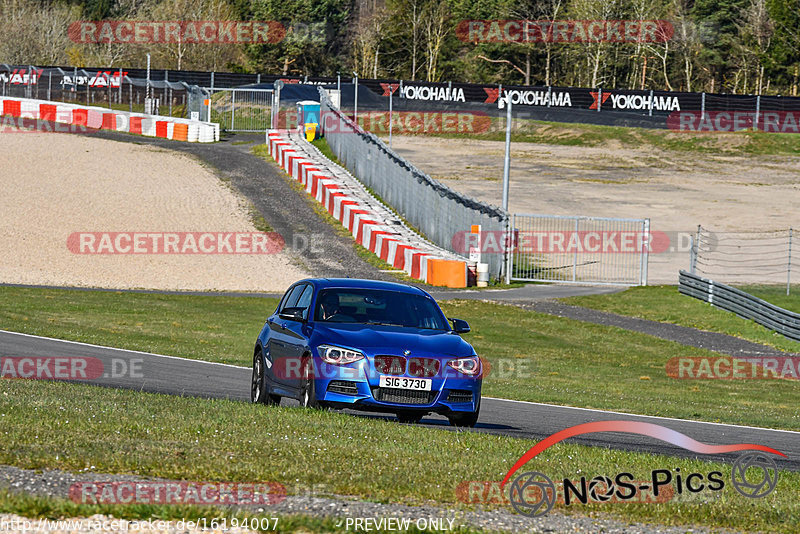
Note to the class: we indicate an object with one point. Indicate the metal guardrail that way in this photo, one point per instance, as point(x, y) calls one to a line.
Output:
point(741, 303)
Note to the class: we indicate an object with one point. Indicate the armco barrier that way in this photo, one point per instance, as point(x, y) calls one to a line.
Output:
point(107, 119)
point(741, 303)
point(373, 225)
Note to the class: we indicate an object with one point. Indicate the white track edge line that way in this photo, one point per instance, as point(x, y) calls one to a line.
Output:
point(492, 398)
point(123, 350)
point(640, 415)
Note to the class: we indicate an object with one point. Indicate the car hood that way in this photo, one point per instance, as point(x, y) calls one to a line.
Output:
point(383, 339)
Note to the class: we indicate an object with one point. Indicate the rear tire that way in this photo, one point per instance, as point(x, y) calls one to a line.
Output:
point(259, 392)
point(465, 419)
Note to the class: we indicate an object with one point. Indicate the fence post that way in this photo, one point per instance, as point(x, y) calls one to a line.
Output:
point(575, 256)
point(789, 265)
point(651, 103)
point(49, 84)
point(758, 111)
point(549, 94)
point(120, 86)
point(702, 104)
point(391, 92)
point(506, 179)
point(645, 253)
point(130, 96)
point(509, 253)
point(696, 248)
point(599, 99)
point(355, 100)
point(691, 254)
point(233, 107)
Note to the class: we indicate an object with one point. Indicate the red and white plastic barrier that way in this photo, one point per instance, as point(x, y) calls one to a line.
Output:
point(400, 248)
point(107, 119)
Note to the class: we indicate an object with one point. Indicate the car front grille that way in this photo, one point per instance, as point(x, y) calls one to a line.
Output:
point(459, 395)
point(423, 367)
point(343, 387)
point(390, 365)
point(403, 396)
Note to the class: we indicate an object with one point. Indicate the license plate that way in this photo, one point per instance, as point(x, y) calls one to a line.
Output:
point(399, 382)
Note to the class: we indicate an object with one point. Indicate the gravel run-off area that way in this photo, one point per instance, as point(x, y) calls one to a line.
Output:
point(55, 185)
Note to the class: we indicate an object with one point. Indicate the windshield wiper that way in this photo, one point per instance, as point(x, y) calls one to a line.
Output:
point(382, 323)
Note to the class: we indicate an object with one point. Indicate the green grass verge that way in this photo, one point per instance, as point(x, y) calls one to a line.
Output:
point(776, 294)
point(665, 304)
point(534, 357)
point(747, 143)
point(75, 427)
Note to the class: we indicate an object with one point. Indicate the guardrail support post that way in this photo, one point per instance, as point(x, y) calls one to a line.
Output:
point(703, 104)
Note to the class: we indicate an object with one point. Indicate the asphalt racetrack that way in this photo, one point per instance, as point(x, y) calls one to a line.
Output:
point(185, 377)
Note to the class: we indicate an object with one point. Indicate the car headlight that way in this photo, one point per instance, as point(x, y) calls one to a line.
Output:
point(338, 355)
point(470, 366)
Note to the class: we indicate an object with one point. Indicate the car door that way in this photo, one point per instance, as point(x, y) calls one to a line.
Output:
point(295, 332)
point(283, 367)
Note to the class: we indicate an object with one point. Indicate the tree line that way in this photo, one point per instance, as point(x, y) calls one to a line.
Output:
point(732, 46)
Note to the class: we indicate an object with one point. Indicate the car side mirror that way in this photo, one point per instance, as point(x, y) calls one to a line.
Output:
point(292, 314)
point(460, 326)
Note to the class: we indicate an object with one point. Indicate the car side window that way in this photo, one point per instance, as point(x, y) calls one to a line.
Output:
point(305, 300)
point(291, 299)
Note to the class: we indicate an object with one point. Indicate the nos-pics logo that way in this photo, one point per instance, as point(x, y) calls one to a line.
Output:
point(754, 474)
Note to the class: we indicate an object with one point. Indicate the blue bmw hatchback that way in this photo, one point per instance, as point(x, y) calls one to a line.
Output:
point(367, 345)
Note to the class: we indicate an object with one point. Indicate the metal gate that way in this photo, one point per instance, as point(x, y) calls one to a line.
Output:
point(241, 110)
point(575, 249)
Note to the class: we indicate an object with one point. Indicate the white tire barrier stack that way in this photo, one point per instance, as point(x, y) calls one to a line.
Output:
point(107, 119)
point(373, 225)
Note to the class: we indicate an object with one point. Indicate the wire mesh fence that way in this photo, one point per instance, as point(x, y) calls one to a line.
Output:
point(576, 249)
point(241, 110)
point(744, 257)
point(113, 89)
point(439, 213)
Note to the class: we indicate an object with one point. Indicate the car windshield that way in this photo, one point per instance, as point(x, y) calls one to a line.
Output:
point(375, 306)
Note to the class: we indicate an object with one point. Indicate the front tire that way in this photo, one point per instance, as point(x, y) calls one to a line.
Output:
point(465, 419)
point(259, 392)
point(409, 418)
point(308, 388)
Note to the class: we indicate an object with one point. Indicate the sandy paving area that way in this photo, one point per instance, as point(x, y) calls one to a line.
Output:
point(676, 191)
point(57, 184)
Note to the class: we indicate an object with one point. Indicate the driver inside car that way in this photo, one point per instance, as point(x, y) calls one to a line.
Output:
point(330, 310)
